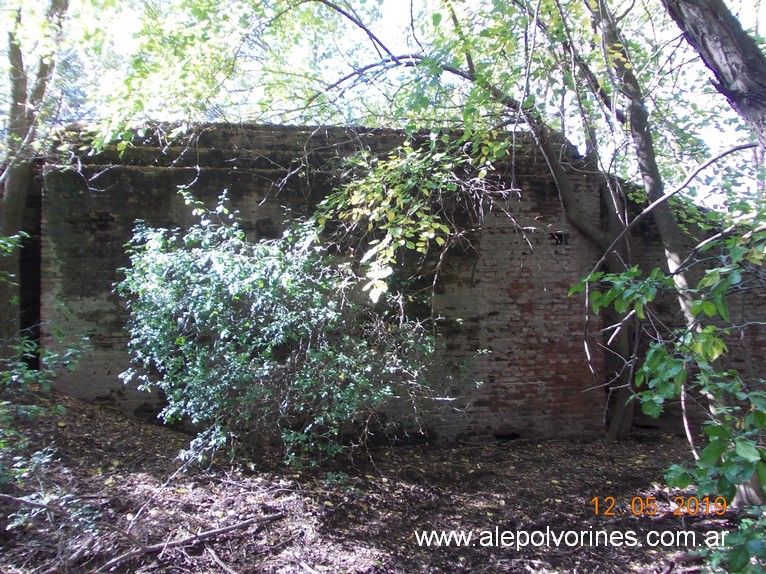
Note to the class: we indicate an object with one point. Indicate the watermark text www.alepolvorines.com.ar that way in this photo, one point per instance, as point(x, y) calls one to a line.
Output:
point(519, 539)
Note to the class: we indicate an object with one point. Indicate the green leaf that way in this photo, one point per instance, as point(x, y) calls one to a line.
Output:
point(380, 272)
point(436, 18)
point(712, 453)
point(678, 477)
point(710, 279)
point(739, 558)
point(747, 450)
point(756, 548)
point(652, 408)
point(714, 430)
point(370, 254)
point(620, 305)
point(760, 470)
point(595, 300)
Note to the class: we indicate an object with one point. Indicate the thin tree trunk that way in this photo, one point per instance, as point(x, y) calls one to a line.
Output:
point(11, 220)
point(27, 95)
point(621, 420)
point(667, 225)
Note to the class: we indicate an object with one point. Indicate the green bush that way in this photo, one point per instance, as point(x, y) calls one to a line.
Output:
point(697, 363)
point(249, 341)
point(18, 377)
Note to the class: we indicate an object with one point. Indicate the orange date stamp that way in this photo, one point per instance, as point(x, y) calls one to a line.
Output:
point(647, 506)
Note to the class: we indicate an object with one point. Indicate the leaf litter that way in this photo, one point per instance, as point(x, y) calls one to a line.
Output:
point(116, 499)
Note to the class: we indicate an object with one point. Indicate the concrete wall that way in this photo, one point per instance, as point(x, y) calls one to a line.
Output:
point(507, 320)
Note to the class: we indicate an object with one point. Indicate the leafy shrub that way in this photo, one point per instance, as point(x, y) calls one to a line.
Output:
point(745, 550)
point(256, 340)
point(17, 377)
point(697, 363)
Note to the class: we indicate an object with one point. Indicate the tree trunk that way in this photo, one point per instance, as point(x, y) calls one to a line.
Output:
point(27, 95)
point(12, 205)
point(730, 53)
point(548, 142)
point(621, 420)
point(667, 225)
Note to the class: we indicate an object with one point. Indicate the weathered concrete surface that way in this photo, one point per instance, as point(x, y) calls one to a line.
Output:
point(507, 319)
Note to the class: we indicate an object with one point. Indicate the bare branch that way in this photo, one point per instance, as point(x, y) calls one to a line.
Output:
point(375, 40)
point(189, 540)
point(406, 60)
point(649, 208)
point(590, 76)
point(412, 25)
point(32, 503)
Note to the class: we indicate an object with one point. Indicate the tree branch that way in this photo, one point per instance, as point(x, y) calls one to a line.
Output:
point(375, 40)
point(189, 540)
point(649, 208)
point(459, 30)
point(590, 76)
point(406, 60)
point(32, 503)
point(529, 113)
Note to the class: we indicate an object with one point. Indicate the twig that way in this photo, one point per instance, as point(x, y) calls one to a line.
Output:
point(65, 564)
point(358, 23)
point(189, 540)
point(220, 562)
point(283, 542)
point(120, 532)
point(158, 491)
point(307, 568)
point(33, 504)
point(687, 429)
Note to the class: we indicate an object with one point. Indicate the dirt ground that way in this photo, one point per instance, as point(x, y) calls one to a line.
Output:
point(118, 501)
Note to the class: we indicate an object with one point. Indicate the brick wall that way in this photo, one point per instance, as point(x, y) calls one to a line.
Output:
point(506, 319)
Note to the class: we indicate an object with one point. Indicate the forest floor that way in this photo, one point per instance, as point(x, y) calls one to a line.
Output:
point(116, 500)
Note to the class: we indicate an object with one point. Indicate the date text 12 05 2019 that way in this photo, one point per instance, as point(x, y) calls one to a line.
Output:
point(647, 506)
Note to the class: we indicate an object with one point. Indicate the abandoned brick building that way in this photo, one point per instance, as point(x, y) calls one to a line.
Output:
point(510, 322)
